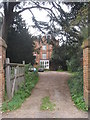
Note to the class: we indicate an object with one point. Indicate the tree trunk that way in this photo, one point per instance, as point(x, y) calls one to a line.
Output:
point(8, 18)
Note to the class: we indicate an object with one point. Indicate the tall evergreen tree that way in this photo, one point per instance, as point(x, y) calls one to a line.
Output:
point(20, 42)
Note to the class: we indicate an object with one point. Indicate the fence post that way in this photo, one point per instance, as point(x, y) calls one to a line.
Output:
point(8, 84)
point(24, 69)
point(23, 62)
point(17, 79)
point(13, 87)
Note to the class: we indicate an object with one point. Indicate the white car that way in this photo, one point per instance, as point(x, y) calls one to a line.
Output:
point(32, 69)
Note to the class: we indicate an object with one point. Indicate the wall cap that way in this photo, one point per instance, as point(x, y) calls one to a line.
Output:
point(86, 43)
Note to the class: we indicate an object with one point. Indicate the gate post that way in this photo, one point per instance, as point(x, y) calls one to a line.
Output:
point(86, 70)
point(3, 47)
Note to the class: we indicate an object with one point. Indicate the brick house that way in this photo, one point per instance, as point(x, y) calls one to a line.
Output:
point(43, 51)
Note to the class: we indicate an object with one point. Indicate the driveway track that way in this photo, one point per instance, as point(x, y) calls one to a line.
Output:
point(52, 84)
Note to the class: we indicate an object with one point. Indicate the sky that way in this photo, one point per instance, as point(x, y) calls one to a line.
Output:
point(40, 15)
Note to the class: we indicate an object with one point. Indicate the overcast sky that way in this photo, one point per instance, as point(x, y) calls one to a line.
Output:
point(40, 16)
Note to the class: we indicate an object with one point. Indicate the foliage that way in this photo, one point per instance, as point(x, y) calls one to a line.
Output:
point(59, 70)
point(67, 57)
point(47, 104)
point(76, 59)
point(60, 21)
point(74, 63)
point(76, 89)
point(25, 91)
point(20, 43)
point(84, 33)
point(59, 58)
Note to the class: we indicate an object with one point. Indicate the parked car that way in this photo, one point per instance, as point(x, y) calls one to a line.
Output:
point(32, 69)
point(40, 69)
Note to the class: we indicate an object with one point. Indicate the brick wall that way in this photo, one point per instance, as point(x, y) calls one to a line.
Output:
point(48, 50)
point(86, 71)
point(2, 59)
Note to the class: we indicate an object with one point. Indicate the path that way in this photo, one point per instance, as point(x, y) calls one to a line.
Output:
point(53, 84)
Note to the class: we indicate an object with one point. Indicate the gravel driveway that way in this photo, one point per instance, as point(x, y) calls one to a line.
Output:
point(54, 85)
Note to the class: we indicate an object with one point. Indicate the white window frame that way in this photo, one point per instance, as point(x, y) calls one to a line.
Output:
point(44, 56)
point(44, 47)
point(45, 66)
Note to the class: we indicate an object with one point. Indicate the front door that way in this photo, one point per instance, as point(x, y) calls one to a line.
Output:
point(44, 64)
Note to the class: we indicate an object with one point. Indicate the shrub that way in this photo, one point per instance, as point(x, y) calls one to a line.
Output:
point(73, 64)
point(24, 91)
point(76, 89)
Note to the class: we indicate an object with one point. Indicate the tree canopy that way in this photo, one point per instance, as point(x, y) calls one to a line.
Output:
point(20, 42)
point(60, 22)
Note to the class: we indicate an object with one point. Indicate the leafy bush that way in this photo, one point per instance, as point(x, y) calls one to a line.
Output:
point(73, 63)
point(25, 91)
point(76, 89)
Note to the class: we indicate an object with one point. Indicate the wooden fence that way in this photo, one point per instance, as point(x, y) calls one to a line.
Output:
point(15, 74)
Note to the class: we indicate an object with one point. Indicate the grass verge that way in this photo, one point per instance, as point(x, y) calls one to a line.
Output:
point(60, 71)
point(76, 89)
point(25, 91)
point(47, 104)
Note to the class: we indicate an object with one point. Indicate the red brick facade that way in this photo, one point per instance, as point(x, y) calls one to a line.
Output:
point(2, 60)
point(47, 51)
point(86, 71)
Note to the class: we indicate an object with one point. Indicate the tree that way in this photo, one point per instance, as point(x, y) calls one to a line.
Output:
point(59, 57)
point(69, 54)
point(58, 17)
point(61, 22)
point(67, 57)
point(20, 42)
point(8, 17)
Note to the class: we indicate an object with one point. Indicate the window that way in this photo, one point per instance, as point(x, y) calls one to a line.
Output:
point(44, 63)
point(43, 56)
point(44, 47)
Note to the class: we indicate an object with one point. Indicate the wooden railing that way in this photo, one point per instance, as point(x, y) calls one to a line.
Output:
point(14, 77)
